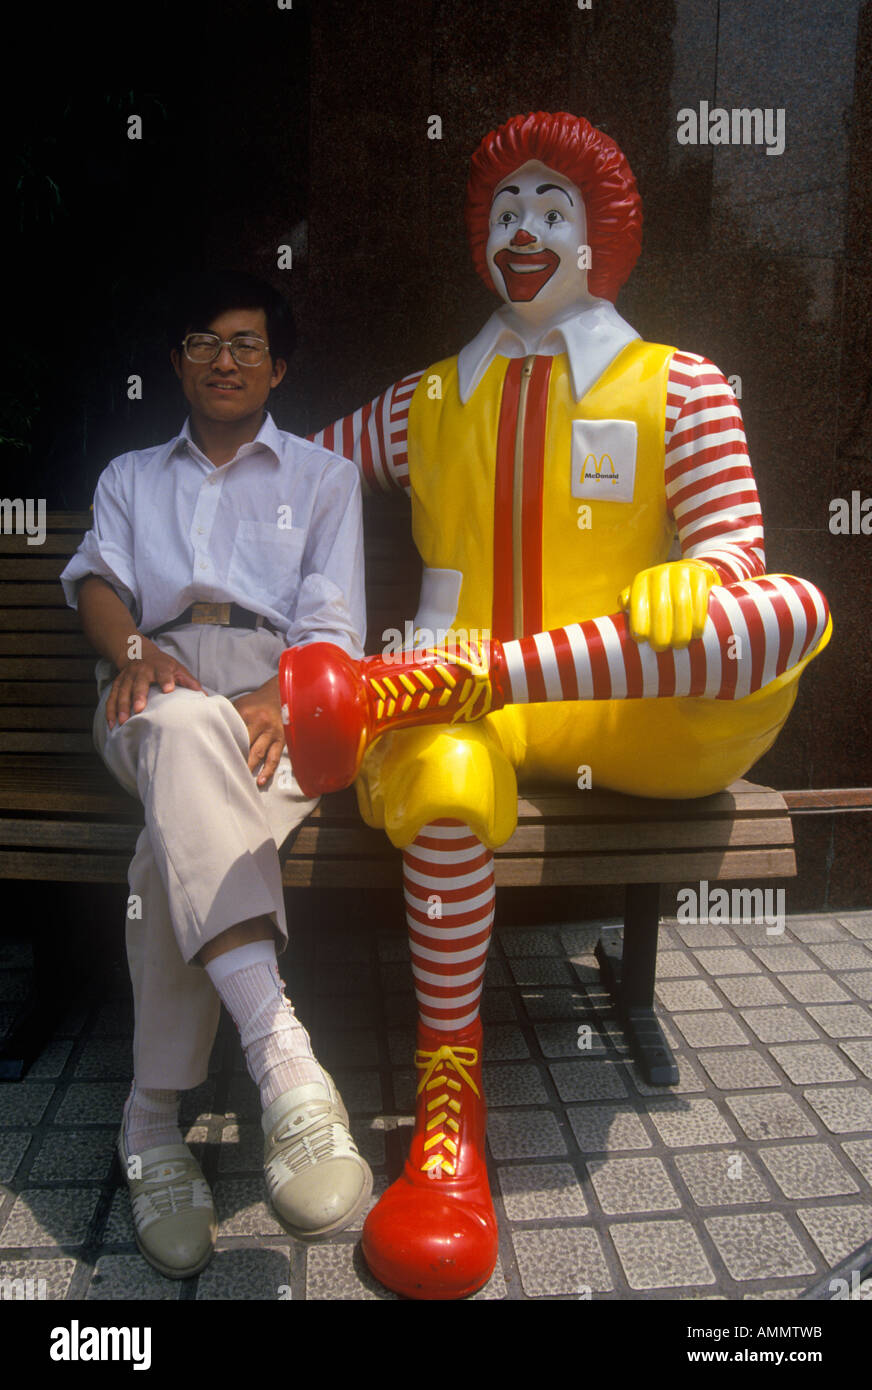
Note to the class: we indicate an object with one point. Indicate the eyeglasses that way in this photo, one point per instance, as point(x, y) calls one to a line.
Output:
point(246, 350)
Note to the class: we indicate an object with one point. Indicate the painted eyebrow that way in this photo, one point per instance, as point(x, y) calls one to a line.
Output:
point(546, 188)
point(509, 188)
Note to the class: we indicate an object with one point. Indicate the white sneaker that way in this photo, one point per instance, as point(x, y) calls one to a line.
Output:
point(317, 1181)
point(173, 1214)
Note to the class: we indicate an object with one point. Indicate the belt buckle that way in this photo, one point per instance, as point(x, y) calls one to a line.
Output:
point(217, 614)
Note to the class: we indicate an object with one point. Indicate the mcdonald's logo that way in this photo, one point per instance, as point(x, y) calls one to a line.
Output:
point(598, 465)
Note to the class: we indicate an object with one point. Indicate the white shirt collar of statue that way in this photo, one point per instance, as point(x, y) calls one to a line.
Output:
point(591, 337)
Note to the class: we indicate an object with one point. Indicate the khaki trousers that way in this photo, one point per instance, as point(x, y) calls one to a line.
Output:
point(208, 856)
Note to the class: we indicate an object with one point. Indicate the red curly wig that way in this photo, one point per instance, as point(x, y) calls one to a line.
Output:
point(574, 148)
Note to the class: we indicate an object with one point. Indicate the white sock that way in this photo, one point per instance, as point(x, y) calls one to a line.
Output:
point(151, 1119)
point(277, 1049)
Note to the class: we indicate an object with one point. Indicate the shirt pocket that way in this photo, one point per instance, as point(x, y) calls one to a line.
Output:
point(265, 562)
point(603, 464)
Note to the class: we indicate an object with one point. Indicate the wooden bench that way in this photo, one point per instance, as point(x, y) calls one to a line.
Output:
point(64, 819)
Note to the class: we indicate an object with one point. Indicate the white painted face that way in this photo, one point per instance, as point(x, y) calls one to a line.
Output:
point(538, 228)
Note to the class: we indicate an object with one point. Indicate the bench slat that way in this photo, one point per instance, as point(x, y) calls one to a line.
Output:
point(71, 693)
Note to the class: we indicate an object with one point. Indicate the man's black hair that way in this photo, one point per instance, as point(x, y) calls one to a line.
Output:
point(198, 300)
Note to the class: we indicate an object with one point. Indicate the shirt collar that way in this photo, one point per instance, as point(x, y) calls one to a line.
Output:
point(267, 437)
point(591, 337)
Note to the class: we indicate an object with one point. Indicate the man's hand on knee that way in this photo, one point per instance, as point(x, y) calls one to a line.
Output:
point(667, 604)
point(130, 687)
point(261, 711)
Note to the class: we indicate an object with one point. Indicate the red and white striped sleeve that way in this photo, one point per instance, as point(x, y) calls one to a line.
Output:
point(710, 489)
point(375, 437)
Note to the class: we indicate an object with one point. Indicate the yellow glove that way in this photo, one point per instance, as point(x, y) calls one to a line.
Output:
point(667, 604)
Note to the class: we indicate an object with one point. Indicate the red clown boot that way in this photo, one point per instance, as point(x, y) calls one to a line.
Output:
point(333, 707)
point(433, 1235)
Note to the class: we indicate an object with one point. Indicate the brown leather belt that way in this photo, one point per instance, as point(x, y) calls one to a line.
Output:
point(217, 615)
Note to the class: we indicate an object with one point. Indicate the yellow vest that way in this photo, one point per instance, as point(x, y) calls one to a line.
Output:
point(510, 464)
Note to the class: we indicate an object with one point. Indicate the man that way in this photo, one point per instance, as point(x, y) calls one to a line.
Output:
point(550, 466)
point(208, 555)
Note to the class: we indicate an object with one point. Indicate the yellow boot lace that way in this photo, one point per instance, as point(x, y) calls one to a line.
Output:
point(443, 1105)
point(416, 689)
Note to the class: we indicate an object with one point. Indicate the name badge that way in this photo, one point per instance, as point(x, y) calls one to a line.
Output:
point(604, 459)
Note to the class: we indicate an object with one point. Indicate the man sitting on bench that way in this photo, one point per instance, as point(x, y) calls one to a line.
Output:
point(208, 555)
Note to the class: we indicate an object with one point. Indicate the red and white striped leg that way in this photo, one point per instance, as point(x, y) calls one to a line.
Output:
point(433, 1235)
point(755, 630)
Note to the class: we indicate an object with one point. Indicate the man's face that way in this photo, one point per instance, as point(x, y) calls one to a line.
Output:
point(223, 391)
point(537, 224)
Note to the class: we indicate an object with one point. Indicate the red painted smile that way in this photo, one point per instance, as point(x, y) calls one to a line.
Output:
point(525, 272)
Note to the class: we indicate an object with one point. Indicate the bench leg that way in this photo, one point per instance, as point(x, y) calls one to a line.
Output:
point(629, 978)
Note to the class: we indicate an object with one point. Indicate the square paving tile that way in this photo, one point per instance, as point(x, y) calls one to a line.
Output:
point(678, 995)
point(859, 926)
point(838, 1231)
point(842, 1108)
point(843, 1020)
point(524, 1134)
point(860, 1054)
point(51, 1060)
point(607, 1128)
point(43, 1217)
point(777, 1025)
point(684, 1124)
point(594, 1079)
point(815, 989)
point(24, 1103)
point(561, 1262)
point(783, 958)
point(747, 989)
point(717, 1028)
point(844, 955)
point(860, 983)
point(261, 1273)
point(726, 1178)
point(68, 1156)
point(13, 1147)
point(625, 1185)
point(816, 929)
point(758, 1245)
point(338, 1273)
point(540, 970)
point(41, 1280)
point(727, 962)
point(860, 1153)
point(675, 965)
point(572, 1039)
point(806, 1063)
point(99, 1103)
point(772, 1115)
point(807, 1170)
point(738, 1069)
point(528, 941)
point(661, 1254)
point(516, 1084)
point(540, 1192)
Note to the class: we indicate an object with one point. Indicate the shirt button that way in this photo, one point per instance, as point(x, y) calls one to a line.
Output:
point(204, 564)
point(201, 530)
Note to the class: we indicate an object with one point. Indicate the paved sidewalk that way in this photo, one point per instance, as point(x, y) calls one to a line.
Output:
point(750, 1179)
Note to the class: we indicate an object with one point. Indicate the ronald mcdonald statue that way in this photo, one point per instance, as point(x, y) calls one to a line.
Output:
point(553, 467)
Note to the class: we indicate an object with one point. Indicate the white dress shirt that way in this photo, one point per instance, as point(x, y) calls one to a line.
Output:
point(277, 530)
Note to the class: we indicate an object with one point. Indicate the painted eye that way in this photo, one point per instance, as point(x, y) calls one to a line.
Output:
point(506, 218)
point(553, 217)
